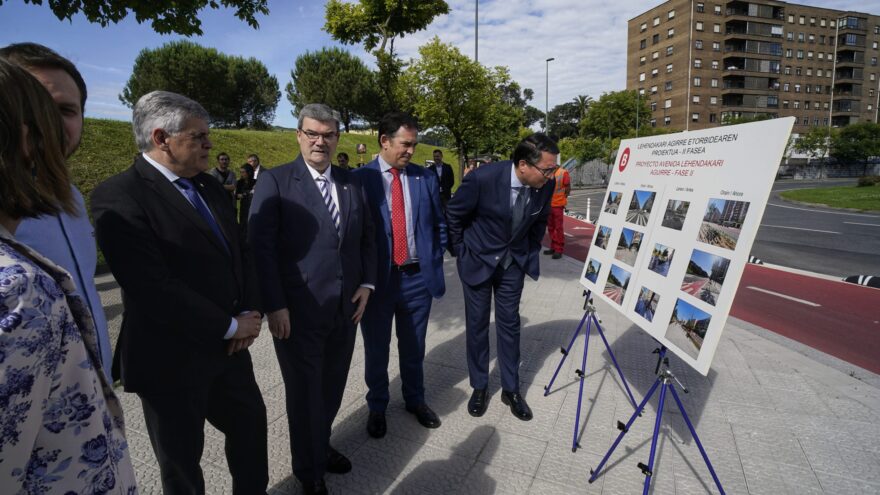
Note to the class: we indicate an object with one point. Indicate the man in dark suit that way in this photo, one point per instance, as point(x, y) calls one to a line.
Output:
point(168, 232)
point(496, 221)
point(445, 176)
point(410, 238)
point(315, 255)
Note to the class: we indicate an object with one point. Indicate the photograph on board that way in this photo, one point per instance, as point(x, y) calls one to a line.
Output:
point(628, 246)
point(705, 275)
point(618, 281)
point(613, 202)
point(646, 304)
point(676, 211)
point(687, 328)
point(722, 222)
point(640, 207)
point(602, 237)
point(661, 258)
point(592, 273)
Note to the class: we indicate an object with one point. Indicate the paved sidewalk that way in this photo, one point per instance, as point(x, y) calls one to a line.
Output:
point(773, 418)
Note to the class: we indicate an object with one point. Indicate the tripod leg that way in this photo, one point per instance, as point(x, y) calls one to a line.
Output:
point(632, 399)
point(648, 470)
point(594, 473)
point(582, 373)
point(565, 353)
point(696, 439)
point(662, 354)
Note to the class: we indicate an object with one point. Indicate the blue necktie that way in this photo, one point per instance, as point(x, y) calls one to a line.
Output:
point(188, 188)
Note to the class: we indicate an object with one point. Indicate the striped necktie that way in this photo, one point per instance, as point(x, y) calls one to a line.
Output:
point(324, 185)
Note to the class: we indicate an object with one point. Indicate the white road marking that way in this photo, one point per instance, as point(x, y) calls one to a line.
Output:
point(790, 298)
point(822, 211)
point(799, 228)
point(868, 224)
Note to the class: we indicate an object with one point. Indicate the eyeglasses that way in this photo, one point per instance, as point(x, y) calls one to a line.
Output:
point(546, 172)
point(313, 136)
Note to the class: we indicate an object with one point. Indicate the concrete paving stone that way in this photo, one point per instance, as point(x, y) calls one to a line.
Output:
point(513, 452)
point(544, 487)
point(568, 468)
point(359, 481)
point(842, 461)
point(839, 485)
point(140, 448)
point(485, 478)
point(149, 481)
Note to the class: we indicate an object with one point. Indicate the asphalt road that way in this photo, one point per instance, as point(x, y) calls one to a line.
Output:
point(821, 240)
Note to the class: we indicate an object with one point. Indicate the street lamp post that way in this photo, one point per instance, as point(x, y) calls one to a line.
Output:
point(547, 92)
point(477, 31)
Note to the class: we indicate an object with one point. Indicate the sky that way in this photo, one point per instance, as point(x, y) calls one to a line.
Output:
point(587, 38)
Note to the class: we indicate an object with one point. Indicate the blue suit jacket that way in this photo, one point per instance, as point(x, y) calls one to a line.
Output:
point(479, 216)
point(302, 263)
point(427, 218)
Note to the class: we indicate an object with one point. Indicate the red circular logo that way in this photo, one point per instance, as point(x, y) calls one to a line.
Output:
point(624, 160)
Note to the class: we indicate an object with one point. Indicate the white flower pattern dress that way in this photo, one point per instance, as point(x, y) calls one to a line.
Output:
point(61, 425)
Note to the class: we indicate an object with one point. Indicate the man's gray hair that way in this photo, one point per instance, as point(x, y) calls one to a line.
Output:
point(162, 110)
point(319, 112)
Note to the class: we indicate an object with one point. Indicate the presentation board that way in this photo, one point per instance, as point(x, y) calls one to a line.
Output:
point(676, 228)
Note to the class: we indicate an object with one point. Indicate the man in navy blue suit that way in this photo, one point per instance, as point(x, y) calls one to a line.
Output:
point(410, 238)
point(496, 221)
point(316, 262)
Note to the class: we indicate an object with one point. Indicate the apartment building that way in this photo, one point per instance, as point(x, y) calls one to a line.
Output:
point(700, 62)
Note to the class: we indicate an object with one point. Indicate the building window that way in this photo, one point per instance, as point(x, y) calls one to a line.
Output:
point(655, 39)
point(654, 72)
point(715, 64)
point(698, 44)
point(713, 83)
point(819, 89)
point(696, 99)
point(797, 71)
point(825, 107)
point(712, 118)
point(821, 39)
point(809, 71)
point(699, 26)
point(653, 106)
point(669, 51)
point(643, 44)
point(653, 122)
point(655, 55)
point(667, 120)
point(816, 105)
point(874, 45)
point(789, 36)
point(787, 50)
point(873, 76)
point(657, 21)
point(809, 55)
point(716, 46)
point(784, 103)
point(667, 103)
point(873, 61)
point(787, 69)
point(644, 27)
point(785, 86)
point(831, 24)
point(790, 19)
point(825, 121)
point(700, 7)
point(671, 14)
point(670, 33)
point(668, 85)
point(713, 100)
point(808, 88)
point(796, 104)
point(811, 38)
point(698, 63)
point(800, 54)
point(800, 37)
point(801, 20)
point(668, 68)
point(797, 88)
point(641, 91)
point(642, 60)
point(806, 121)
point(812, 21)
point(717, 10)
point(641, 77)
point(822, 22)
point(653, 90)
point(697, 81)
point(870, 106)
point(820, 55)
point(695, 117)
point(716, 28)
point(818, 72)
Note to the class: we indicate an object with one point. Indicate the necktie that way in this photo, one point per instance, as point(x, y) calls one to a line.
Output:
point(328, 200)
point(519, 209)
point(398, 219)
point(189, 190)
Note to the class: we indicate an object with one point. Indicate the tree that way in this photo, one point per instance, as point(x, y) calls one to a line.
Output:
point(814, 142)
point(512, 95)
point(336, 78)
point(614, 115)
point(376, 24)
point(447, 89)
point(165, 17)
point(236, 92)
point(583, 103)
point(563, 120)
point(729, 119)
point(857, 143)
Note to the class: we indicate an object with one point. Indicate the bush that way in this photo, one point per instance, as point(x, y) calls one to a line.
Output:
point(869, 180)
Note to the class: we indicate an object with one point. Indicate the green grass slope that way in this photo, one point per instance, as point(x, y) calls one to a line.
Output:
point(108, 148)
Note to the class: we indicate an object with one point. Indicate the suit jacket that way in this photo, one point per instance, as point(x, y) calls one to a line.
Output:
point(429, 224)
point(446, 181)
point(181, 286)
point(302, 263)
point(479, 217)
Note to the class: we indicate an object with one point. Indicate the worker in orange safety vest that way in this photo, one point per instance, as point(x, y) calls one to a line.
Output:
point(557, 210)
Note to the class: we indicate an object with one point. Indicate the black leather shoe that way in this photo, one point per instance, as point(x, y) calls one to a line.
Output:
point(425, 415)
point(337, 463)
point(556, 256)
point(315, 488)
point(376, 426)
point(549, 251)
point(478, 403)
point(517, 404)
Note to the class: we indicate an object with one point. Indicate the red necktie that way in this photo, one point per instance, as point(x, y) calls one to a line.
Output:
point(398, 219)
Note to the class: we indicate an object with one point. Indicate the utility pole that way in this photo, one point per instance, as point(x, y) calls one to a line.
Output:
point(547, 92)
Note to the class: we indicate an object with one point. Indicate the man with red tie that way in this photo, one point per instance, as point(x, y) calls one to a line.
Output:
point(404, 200)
